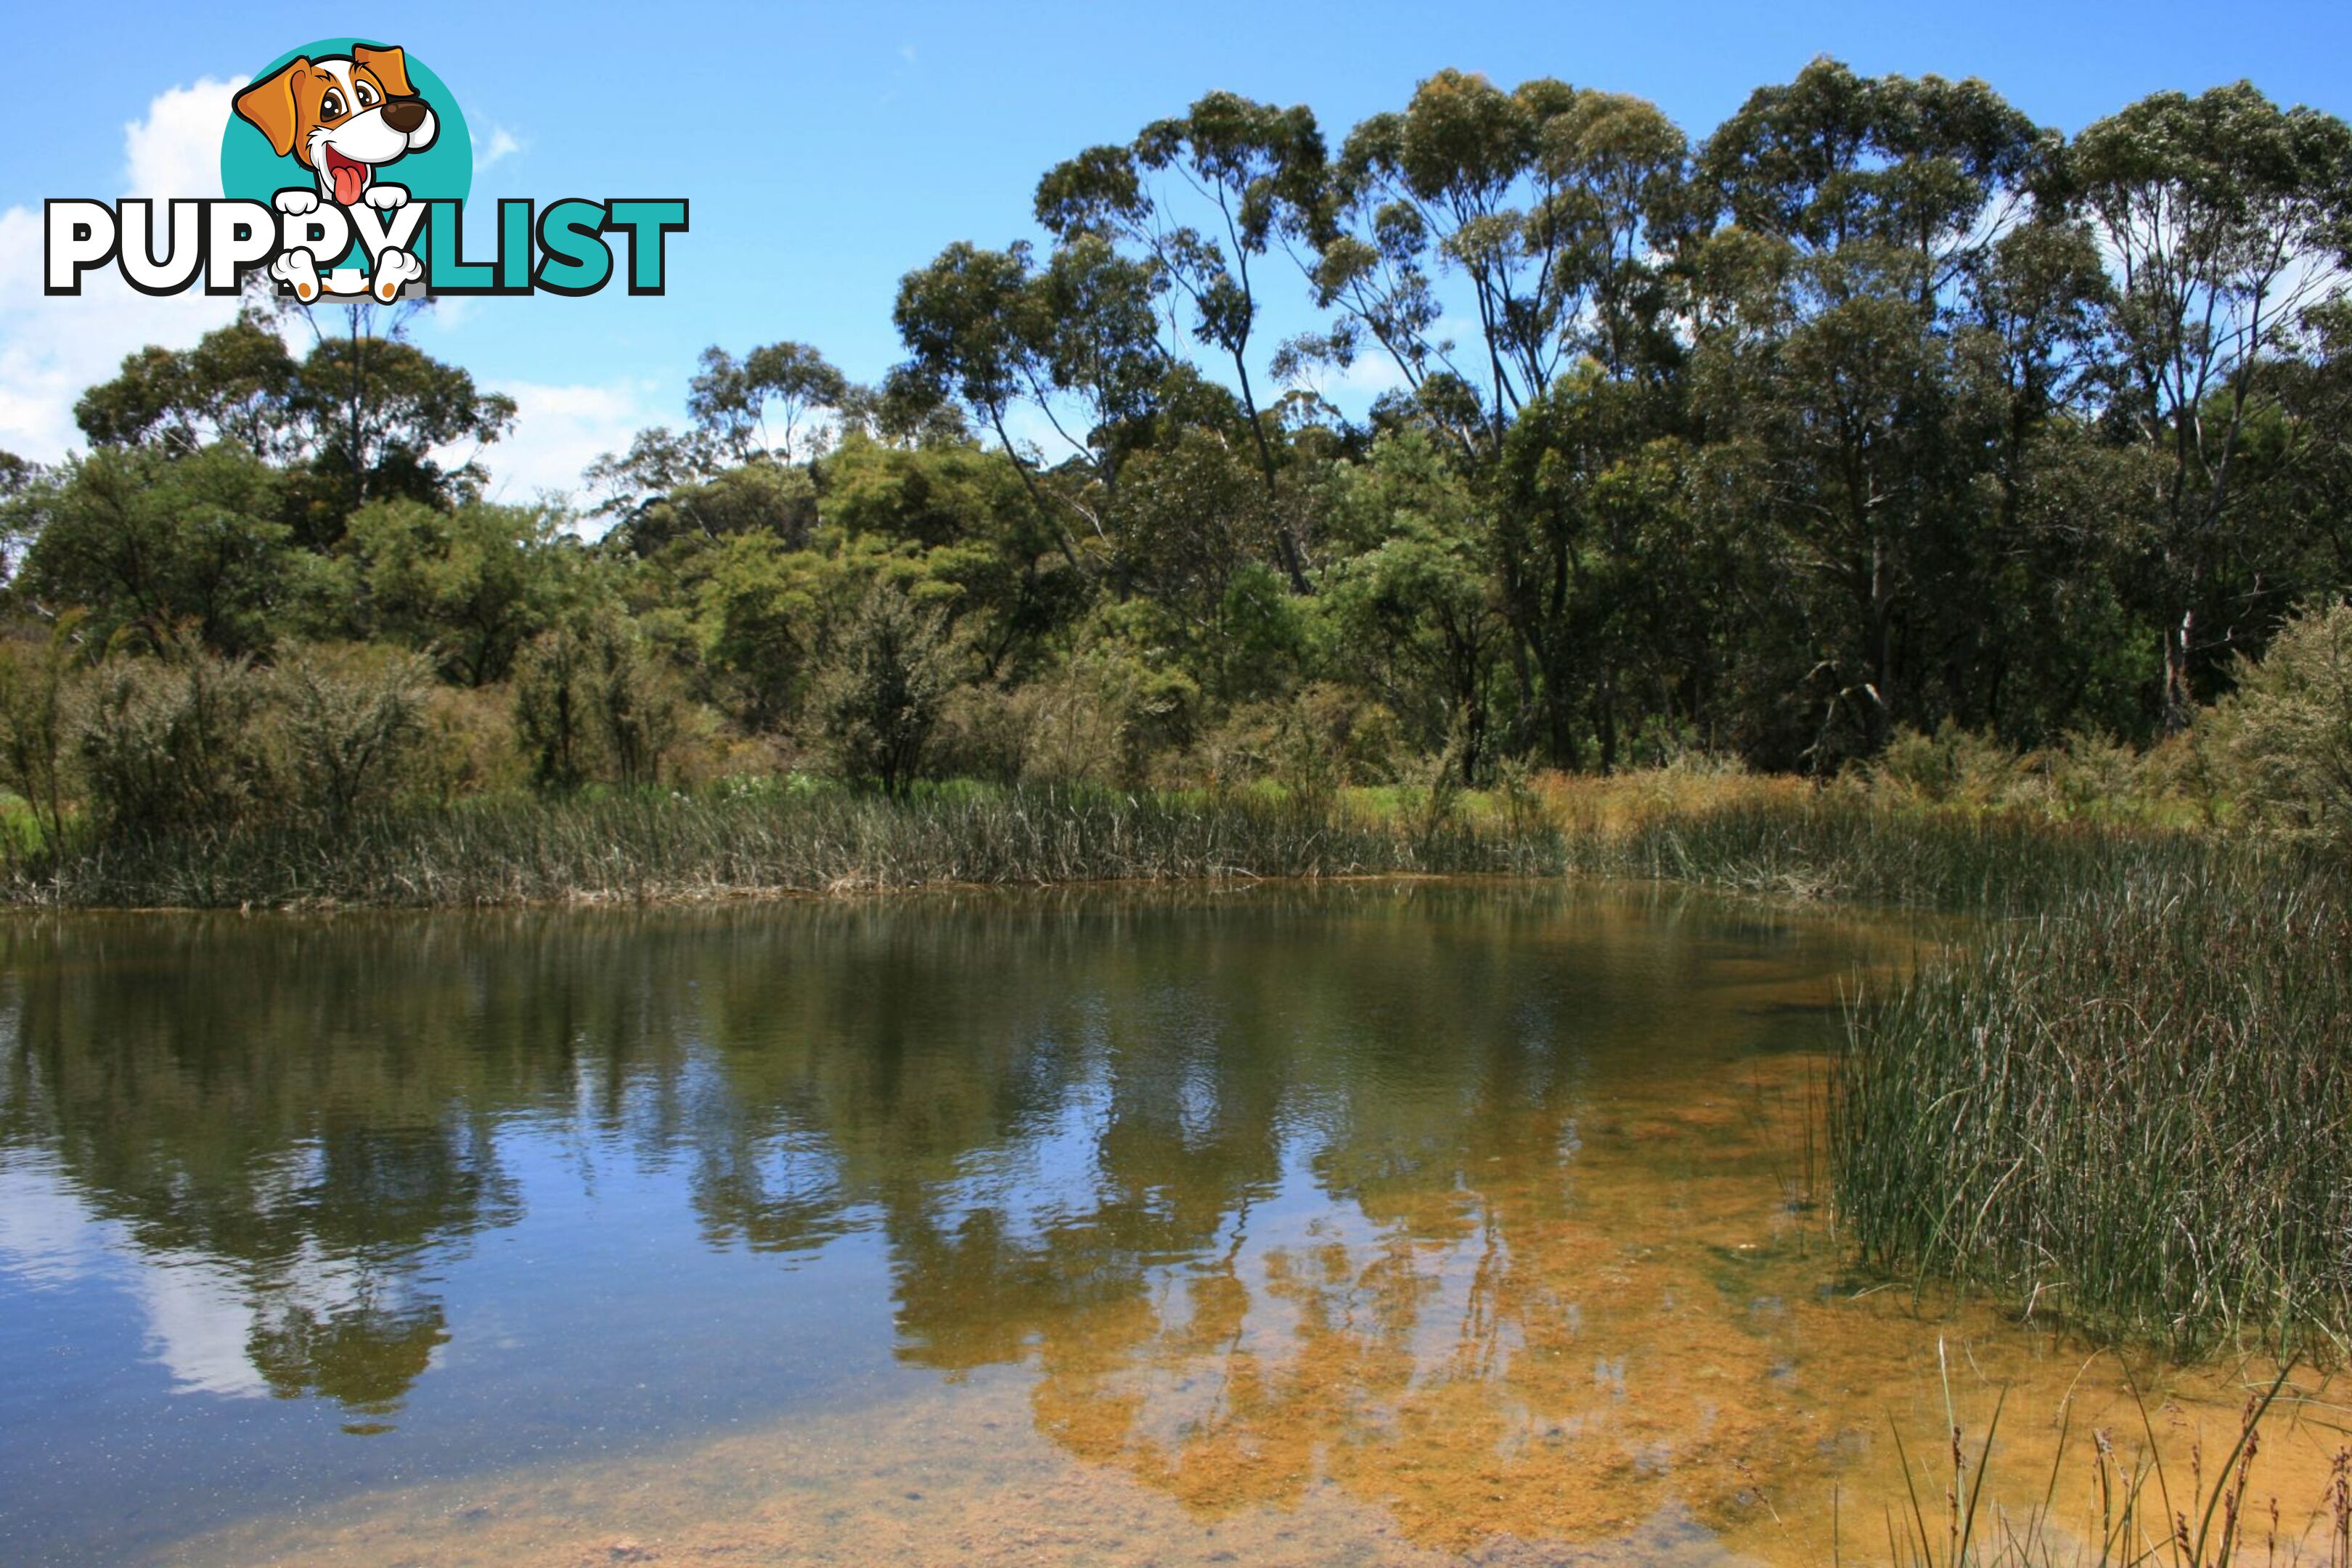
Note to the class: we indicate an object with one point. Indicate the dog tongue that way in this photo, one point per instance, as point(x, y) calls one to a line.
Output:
point(351, 179)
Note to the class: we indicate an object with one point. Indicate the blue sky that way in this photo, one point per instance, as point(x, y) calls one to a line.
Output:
point(827, 150)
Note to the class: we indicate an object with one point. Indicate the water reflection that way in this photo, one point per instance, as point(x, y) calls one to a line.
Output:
point(1484, 1205)
point(281, 1154)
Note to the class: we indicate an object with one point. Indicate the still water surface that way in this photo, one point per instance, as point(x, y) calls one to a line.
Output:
point(1377, 1222)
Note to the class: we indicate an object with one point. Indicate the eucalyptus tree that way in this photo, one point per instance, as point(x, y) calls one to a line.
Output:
point(1414, 603)
point(378, 413)
point(1543, 199)
point(1075, 339)
point(235, 385)
point(165, 553)
point(365, 416)
point(2228, 225)
point(1542, 214)
point(2307, 497)
point(968, 321)
point(1243, 173)
point(733, 402)
point(1857, 220)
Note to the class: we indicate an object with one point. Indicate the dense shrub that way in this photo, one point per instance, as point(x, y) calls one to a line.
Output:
point(592, 701)
point(352, 719)
point(878, 703)
point(177, 744)
point(2290, 725)
point(34, 697)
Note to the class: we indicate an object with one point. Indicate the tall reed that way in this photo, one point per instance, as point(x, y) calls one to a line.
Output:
point(658, 845)
point(1784, 840)
point(2145, 1507)
point(2132, 1111)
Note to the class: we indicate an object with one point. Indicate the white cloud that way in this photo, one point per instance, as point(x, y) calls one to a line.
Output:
point(200, 1320)
point(502, 145)
point(1371, 372)
point(559, 430)
point(52, 350)
point(175, 150)
point(47, 1234)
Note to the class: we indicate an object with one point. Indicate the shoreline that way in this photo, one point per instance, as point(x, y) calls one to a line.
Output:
point(1762, 837)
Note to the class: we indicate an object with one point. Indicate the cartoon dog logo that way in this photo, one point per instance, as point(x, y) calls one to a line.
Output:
point(342, 117)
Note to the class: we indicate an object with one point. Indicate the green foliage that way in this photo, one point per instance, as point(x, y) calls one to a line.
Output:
point(633, 700)
point(593, 702)
point(762, 609)
point(471, 585)
point(352, 719)
point(163, 553)
point(553, 722)
point(1880, 435)
point(1952, 767)
point(2217, 210)
point(177, 745)
point(764, 403)
point(1413, 616)
point(757, 498)
point(2291, 723)
point(34, 718)
point(362, 417)
point(878, 703)
point(234, 385)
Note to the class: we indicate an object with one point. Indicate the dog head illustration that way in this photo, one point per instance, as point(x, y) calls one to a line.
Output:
point(341, 116)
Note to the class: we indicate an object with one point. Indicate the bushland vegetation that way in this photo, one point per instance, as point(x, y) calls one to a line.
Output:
point(1879, 431)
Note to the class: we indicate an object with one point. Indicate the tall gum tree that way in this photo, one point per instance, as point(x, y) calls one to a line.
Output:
point(1244, 171)
point(1855, 221)
point(2227, 224)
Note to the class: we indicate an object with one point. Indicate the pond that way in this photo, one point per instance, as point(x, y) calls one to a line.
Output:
point(1377, 1222)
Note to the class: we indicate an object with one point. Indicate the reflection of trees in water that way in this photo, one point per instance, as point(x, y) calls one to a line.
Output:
point(1072, 1117)
point(309, 1110)
point(1468, 1332)
point(364, 1354)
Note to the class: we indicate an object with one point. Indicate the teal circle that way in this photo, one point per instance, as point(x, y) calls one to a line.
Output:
point(252, 171)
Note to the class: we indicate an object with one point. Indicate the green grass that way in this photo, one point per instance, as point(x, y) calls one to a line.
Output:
point(2131, 1113)
point(751, 842)
point(798, 836)
point(1829, 847)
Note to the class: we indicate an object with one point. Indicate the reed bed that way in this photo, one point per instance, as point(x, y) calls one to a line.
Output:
point(669, 846)
point(1780, 838)
point(1824, 846)
point(2131, 1113)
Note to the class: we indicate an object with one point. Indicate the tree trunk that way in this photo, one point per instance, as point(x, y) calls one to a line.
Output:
point(2179, 700)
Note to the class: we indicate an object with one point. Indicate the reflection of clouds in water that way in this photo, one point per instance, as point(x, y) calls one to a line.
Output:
point(1036, 1184)
point(202, 1316)
point(47, 1235)
point(199, 1322)
point(198, 1318)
